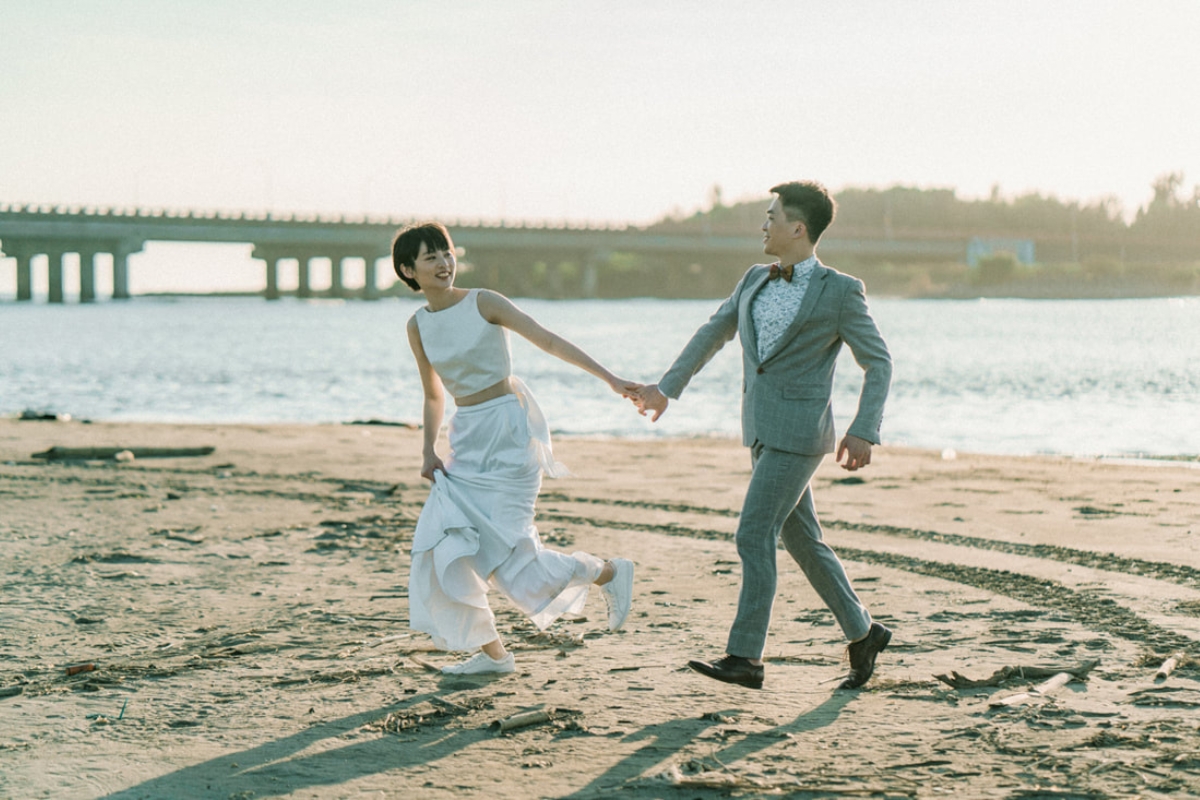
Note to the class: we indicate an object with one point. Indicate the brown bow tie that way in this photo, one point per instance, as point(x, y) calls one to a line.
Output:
point(786, 272)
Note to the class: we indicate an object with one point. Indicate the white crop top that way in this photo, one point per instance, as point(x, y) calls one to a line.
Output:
point(468, 353)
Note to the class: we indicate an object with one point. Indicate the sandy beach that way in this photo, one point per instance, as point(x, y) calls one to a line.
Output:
point(234, 625)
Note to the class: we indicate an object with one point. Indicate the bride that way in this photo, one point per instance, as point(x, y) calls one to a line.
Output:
point(476, 529)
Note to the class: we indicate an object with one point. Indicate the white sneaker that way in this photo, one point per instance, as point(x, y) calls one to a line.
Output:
point(618, 593)
point(481, 664)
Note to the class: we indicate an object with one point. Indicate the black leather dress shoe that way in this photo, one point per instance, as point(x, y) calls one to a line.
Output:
point(862, 655)
point(731, 669)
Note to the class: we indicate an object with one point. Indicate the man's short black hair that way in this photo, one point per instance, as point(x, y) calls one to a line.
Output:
point(808, 202)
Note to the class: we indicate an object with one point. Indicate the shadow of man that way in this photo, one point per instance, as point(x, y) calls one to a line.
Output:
point(666, 740)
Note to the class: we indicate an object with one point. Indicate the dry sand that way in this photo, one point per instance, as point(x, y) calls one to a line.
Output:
point(245, 615)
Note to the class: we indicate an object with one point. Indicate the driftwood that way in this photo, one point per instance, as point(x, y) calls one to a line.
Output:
point(450, 705)
point(386, 639)
point(89, 453)
point(1005, 674)
point(705, 780)
point(51, 416)
point(1057, 682)
point(522, 720)
point(386, 423)
point(423, 664)
point(1168, 667)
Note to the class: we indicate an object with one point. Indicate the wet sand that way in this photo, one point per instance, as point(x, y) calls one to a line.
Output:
point(234, 625)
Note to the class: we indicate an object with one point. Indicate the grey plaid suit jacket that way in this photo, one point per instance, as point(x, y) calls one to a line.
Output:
point(786, 397)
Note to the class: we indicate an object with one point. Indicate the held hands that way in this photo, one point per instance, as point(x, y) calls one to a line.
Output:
point(623, 387)
point(636, 393)
point(647, 397)
point(856, 450)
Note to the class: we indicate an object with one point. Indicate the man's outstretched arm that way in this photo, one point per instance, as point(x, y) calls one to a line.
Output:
point(704, 344)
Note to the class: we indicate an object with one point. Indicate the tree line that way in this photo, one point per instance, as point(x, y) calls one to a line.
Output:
point(1169, 223)
point(1081, 249)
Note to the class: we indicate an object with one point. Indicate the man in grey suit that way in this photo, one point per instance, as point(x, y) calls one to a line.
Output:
point(792, 318)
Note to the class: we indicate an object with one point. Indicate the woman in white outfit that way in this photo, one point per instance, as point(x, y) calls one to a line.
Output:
point(476, 528)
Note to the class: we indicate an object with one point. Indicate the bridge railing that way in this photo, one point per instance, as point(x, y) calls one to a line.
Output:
point(34, 230)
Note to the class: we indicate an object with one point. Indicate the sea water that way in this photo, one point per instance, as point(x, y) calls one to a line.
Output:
point(1073, 377)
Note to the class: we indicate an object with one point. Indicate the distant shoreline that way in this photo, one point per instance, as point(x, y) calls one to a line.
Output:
point(951, 293)
point(50, 420)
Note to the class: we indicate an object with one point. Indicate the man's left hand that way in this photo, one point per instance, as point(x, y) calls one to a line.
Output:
point(856, 450)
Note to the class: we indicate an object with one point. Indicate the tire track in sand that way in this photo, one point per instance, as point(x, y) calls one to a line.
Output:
point(1158, 570)
point(1087, 608)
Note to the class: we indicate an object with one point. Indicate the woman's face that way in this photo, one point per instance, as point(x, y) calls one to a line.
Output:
point(434, 269)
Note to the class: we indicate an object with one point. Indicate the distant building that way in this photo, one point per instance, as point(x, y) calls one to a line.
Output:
point(978, 248)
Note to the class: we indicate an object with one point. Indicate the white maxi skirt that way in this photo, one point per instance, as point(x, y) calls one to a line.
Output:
point(476, 530)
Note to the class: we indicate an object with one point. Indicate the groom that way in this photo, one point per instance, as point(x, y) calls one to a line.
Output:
point(792, 317)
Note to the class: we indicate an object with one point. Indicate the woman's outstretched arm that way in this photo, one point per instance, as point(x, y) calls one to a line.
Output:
point(499, 310)
point(435, 403)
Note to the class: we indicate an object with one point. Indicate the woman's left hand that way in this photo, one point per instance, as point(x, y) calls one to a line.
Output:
point(625, 388)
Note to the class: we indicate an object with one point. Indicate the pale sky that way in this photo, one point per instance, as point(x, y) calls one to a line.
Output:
point(616, 111)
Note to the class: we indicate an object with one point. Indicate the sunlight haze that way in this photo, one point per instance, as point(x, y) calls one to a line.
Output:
point(607, 112)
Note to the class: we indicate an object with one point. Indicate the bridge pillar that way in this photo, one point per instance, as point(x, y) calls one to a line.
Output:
point(336, 286)
point(303, 284)
point(370, 290)
point(590, 279)
point(272, 290)
point(55, 289)
point(24, 275)
point(120, 257)
point(87, 276)
point(591, 272)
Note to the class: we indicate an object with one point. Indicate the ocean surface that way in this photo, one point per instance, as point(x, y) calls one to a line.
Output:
point(1117, 378)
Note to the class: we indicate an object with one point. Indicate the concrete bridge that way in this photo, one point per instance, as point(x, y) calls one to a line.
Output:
point(30, 231)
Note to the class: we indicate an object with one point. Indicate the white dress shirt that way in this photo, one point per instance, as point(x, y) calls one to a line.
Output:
point(777, 304)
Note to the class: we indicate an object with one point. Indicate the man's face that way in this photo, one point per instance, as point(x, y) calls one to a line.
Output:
point(777, 231)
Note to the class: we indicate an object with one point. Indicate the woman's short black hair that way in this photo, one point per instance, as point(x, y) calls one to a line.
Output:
point(408, 243)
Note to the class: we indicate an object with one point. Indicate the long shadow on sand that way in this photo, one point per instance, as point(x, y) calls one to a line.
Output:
point(280, 767)
point(666, 740)
point(274, 768)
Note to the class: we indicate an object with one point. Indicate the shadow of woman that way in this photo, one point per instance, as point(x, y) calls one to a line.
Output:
point(667, 739)
point(279, 767)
